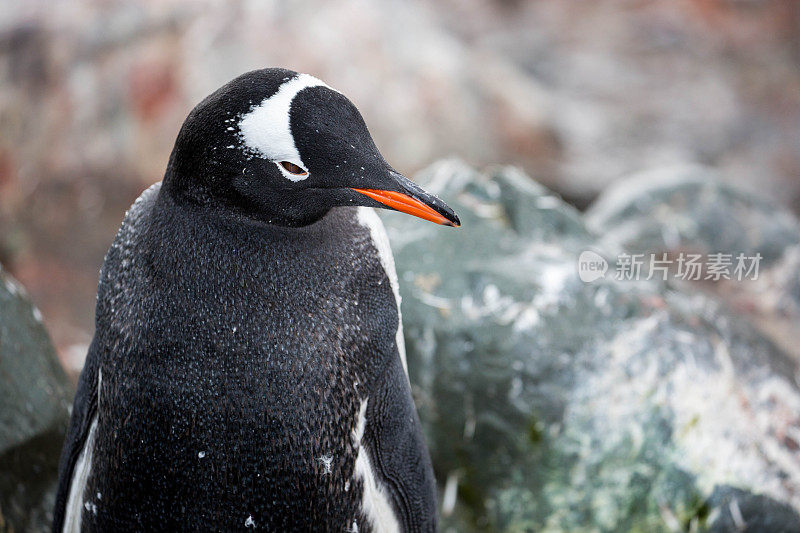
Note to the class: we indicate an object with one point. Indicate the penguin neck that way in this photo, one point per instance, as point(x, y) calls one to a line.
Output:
point(187, 185)
point(183, 225)
point(194, 217)
point(221, 257)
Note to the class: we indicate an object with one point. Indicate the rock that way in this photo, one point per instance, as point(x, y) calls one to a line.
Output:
point(553, 404)
point(764, 513)
point(34, 394)
point(690, 208)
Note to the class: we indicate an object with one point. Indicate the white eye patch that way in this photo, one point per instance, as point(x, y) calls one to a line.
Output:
point(265, 130)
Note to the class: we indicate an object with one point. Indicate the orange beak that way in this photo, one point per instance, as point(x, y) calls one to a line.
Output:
point(406, 204)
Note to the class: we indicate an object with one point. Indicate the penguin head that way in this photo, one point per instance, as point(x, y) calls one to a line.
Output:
point(284, 148)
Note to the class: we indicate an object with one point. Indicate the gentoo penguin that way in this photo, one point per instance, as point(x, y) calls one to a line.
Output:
point(248, 367)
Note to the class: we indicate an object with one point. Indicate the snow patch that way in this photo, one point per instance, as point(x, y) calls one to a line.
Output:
point(326, 461)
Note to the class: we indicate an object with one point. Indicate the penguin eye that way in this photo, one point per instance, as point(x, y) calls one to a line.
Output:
point(291, 168)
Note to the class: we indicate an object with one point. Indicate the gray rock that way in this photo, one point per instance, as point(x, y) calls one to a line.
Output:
point(690, 208)
point(34, 395)
point(764, 514)
point(552, 404)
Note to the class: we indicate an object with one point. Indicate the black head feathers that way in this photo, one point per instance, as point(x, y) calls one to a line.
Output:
point(283, 148)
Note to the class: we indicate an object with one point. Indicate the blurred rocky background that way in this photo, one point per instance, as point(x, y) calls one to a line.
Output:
point(34, 398)
point(634, 126)
point(555, 404)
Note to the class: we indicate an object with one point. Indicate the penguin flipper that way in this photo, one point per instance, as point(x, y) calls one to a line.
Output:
point(84, 413)
point(393, 437)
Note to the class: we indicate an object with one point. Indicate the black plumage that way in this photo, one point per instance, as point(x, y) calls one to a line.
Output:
point(243, 320)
